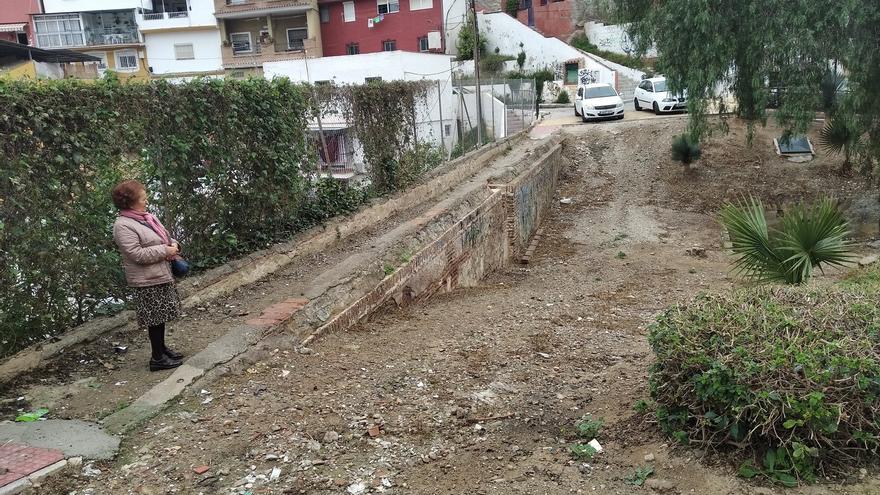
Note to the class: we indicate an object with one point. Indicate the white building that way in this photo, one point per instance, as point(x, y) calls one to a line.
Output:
point(181, 37)
point(104, 29)
point(345, 155)
point(506, 34)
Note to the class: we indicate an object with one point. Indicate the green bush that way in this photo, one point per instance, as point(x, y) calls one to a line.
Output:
point(685, 149)
point(465, 43)
point(790, 375)
point(511, 7)
point(581, 42)
point(563, 97)
point(493, 63)
point(228, 164)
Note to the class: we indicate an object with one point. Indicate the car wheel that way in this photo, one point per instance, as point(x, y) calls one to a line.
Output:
point(656, 108)
point(576, 114)
point(620, 117)
point(583, 118)
point(636, 104)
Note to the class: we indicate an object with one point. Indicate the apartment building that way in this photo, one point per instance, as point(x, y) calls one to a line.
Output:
point(104, 29)
point(181, 37)
point(15, 20)
point(352, 27)
point(257, 31)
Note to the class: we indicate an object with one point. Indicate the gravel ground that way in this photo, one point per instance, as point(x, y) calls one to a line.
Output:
point(478, 391)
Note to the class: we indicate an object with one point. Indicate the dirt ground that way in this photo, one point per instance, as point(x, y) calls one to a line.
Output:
point(478, 391)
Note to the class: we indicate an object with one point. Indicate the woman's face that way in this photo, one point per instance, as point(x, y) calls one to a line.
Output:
point(141, 203)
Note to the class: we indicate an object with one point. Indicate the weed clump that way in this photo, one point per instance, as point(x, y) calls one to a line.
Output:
point(788, 377)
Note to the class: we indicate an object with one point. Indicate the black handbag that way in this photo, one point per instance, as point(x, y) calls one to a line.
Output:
point(179, 267)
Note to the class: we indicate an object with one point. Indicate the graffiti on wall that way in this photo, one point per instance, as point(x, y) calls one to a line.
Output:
point(587, 76)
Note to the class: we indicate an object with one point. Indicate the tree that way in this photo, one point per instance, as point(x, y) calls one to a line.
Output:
point(465, 42)
point(748, 44)
point(521, 57)
point(808, 237)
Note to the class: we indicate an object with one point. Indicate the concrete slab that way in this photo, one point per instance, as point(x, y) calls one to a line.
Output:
point(74, 438)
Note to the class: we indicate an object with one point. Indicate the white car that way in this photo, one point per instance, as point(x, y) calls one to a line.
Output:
point(598, 101)
point(653, 94)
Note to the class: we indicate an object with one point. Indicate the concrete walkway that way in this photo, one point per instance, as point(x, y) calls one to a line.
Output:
point(31, 451)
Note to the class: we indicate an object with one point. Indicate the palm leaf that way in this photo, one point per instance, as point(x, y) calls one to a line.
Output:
point(839, 136)
point(751, 242)
point(812, 237)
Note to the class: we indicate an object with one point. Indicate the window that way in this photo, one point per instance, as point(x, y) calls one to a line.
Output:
point(448, 129)
point(389, 46)
point(348, 11)
point(22, 38)
point(421, 4)
point(184, 51)
point(369, 80)
point(388, 6)
point(241, 43)
point(324, 10)
point(423, 44)
point(295, 37)
point(126, 61)
point(353, 49)
point(102, 64)
point(56, 31)
point(324, 82)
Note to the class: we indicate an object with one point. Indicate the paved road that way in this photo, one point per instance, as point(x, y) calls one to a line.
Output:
point(554, 118)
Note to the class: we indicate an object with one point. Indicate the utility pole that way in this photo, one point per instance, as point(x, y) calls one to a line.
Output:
point(477, 73)
point(440, 107)
point(318, 113)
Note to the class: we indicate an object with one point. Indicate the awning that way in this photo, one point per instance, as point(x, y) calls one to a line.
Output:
point(12, 28)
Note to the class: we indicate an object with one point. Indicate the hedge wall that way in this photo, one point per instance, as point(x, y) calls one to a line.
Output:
point(226, 164)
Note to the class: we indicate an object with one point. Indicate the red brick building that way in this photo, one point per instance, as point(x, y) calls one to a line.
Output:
point(552, 18)
point(366, 26)
point(15, 20)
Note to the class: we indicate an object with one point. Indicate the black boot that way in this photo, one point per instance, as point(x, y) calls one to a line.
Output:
point(166, 363)
point(173, 354)
point(160, 360)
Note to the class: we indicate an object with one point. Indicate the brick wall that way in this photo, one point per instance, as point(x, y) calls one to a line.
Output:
point(484, 240)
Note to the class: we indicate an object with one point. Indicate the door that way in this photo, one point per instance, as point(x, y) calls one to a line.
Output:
point(643, 93)
point(571, 73)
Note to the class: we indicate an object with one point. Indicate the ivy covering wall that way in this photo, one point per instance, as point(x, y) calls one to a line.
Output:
point(228, 165)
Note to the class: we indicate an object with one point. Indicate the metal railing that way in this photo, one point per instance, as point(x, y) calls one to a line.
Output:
point(158, 16)
point(344, 163)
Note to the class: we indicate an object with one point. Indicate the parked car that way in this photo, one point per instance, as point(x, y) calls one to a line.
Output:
point(598, 101)
point(652, 93)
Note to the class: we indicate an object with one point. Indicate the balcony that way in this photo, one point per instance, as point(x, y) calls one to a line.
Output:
point(241, 55)
point(240, 9)
point(86, 29)
point(167, 14)
point(254, 41)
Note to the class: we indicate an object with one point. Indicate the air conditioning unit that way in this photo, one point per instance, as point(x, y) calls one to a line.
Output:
point(434, 40)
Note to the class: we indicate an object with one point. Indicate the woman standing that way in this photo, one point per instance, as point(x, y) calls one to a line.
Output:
point(146, 250)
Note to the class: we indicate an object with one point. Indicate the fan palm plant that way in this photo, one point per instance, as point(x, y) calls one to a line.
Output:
point(685, 149)
point(832, 85)
point(808, 237)
point(841, 136)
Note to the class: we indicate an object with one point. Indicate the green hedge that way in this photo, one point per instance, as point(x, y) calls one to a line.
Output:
point(224, 162)
point(581, 42)
point(787, 376)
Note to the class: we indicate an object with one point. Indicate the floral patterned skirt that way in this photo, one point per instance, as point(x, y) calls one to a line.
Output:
point(157, 304)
